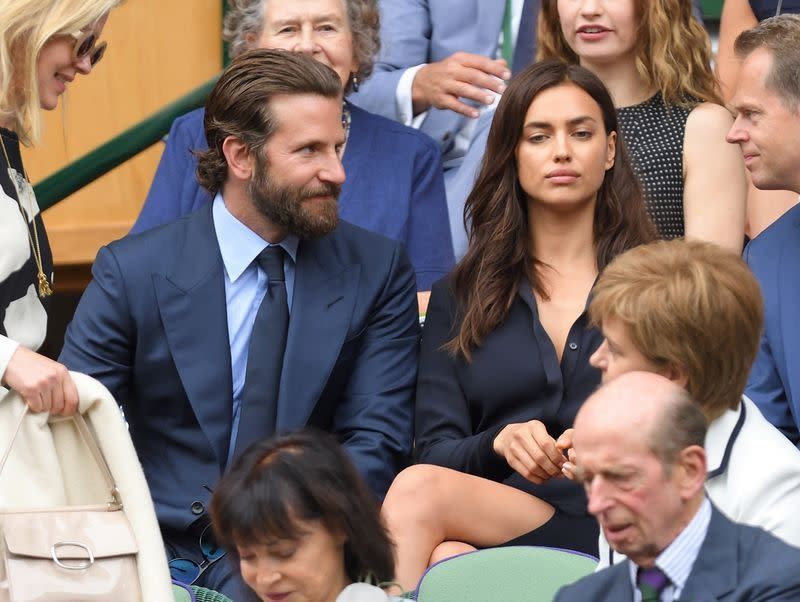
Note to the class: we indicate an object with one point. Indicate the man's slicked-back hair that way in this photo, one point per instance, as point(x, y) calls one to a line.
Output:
point(239, 104)
point(780, 36)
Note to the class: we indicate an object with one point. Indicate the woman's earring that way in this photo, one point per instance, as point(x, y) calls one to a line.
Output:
point(354, 81)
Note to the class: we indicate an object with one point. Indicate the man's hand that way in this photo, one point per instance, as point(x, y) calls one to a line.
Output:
point(45, 385)
point(530, 451)
point(563, 444)
point(461, 75)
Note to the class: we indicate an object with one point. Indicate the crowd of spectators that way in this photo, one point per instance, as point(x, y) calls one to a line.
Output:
point(559, 191)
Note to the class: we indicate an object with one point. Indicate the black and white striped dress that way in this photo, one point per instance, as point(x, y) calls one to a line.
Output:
point(23, 316)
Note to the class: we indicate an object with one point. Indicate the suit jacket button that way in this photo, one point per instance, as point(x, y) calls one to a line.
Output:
point(198, 508)
point(573, 346)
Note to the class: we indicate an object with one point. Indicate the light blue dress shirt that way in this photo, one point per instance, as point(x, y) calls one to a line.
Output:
point(245, 286)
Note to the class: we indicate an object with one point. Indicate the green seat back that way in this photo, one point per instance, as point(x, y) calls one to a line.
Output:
point(202, 594)
point(510, 574)
point(181, 593)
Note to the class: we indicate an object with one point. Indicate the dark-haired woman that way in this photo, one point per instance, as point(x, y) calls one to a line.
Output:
point(302, 524)
point(505, 353)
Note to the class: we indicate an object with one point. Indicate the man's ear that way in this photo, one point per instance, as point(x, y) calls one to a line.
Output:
point(692, 470)
point(239, 158)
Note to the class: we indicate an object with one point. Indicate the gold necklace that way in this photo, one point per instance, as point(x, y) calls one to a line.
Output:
point(25, 190)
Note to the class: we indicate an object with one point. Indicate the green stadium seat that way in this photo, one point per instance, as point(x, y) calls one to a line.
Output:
point(509, 574)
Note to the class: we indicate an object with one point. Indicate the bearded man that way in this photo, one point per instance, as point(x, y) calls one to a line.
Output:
point(257, 314)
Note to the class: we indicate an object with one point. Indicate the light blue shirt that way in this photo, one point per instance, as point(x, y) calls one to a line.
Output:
point(677, 560)
point(245, 286)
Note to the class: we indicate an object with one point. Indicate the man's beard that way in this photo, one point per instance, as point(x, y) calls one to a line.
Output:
point(288, 207)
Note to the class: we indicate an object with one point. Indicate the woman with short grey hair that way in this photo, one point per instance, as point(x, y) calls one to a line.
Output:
point(394, 180)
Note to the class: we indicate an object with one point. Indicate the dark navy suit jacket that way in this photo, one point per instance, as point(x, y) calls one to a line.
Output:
point(394, 187)
point(736, 562)
point(774, 384)
point(152, 328)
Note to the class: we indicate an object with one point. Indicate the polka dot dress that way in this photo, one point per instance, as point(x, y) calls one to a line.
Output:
point(653, 134)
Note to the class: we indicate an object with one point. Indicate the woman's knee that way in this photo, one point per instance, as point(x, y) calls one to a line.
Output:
point(417, 491)
point(448, 549)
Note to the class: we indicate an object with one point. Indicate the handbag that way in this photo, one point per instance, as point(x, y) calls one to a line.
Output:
point(68, 553)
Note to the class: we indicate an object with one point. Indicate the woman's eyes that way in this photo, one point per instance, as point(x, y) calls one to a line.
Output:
point(283, 553)
point(579, 134)
point(326, 28)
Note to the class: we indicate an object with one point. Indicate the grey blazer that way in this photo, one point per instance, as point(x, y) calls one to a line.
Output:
point(736, 562)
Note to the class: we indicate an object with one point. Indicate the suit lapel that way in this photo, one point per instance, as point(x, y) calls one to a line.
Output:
point(620, 588)
point(707, 581)
point(788, 299)
point(322, 308)
point(191, 302)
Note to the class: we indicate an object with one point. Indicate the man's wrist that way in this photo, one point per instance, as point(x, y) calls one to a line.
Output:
point(404, 96)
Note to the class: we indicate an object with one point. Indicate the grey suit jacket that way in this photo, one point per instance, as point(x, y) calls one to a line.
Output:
point(736, 562)
point(414, 32)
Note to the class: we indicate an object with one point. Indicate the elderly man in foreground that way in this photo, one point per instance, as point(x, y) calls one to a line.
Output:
point(639, 444)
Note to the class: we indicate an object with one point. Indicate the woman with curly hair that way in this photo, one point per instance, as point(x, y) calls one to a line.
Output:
point(394, 181)
point(504, 363)
point(654, 57)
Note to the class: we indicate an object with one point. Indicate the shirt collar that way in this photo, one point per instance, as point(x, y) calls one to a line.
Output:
point(238, 244)
point(677, 560)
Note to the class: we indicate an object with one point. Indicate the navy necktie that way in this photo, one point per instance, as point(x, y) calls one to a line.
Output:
point(265, 355)
point(525, 48)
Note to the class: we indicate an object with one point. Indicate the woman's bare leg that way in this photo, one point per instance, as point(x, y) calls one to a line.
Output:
point(428, 505)
point(448, 549)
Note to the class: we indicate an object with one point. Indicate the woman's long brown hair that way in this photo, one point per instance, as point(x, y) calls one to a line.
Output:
point(487, 279)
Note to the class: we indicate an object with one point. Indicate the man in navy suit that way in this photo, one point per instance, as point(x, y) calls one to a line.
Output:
point(638, 444)
point(767, 128)
point(166, 323)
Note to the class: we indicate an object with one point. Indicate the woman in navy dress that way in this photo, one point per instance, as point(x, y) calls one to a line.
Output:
point(504, 364)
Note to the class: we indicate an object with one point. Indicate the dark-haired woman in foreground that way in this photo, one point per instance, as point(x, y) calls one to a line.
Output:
point(505, 352)
point(301, 522)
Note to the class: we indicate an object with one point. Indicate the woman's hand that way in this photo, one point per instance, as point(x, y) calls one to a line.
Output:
point(45, 385)
point(530, 450)
point(564, 444)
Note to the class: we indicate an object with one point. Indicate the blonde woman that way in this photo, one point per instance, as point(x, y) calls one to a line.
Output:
point(44, 46)
point(654, 57)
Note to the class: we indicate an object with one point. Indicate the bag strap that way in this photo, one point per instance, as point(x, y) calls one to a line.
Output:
point(89, 441)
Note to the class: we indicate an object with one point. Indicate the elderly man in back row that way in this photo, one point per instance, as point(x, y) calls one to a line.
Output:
point(639, 440)
point(767, 128)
